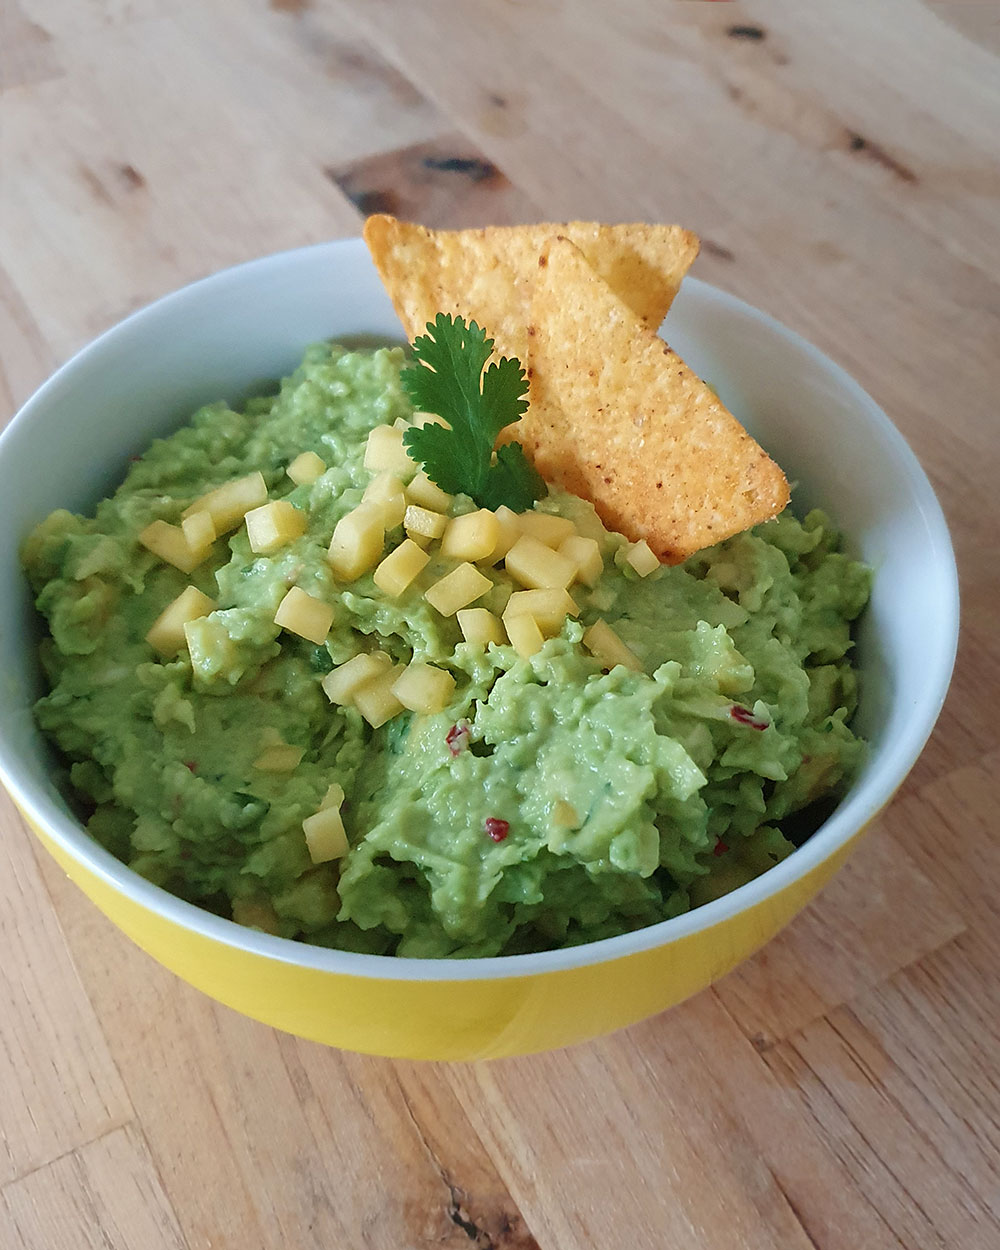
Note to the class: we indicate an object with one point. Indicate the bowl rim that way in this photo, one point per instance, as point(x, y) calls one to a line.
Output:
point(865, 798)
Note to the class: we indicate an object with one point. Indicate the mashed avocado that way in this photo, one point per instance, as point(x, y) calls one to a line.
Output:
point(551, 802)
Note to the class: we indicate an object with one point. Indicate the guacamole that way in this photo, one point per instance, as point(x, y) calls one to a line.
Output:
point(554, 799)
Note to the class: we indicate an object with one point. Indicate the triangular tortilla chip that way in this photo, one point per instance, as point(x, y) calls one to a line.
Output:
point(487, 275)
point(618, 418)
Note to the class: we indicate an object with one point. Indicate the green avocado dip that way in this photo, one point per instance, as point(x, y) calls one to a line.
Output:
point(550, 801)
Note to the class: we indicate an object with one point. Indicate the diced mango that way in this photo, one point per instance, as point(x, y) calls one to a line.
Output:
point(642, 558)
point(423, 688)
point(564, 815)
point(537, 566)
point(585, 555)
point(305, 615)
point(548, 529)
point(306, 468)
point(169, 543)
point(199, 532)
point(228, 504)
point(524, 633)
point(385, 453)
point(480, 627)
point(279, 758)
point(400, 567)
point(457, 589)
point(387, 492)
point(357, 541)
point(166, 634)
point(326, 837)
point(273, 525)
point(342, 683)
point(427, 494)
point(549, 608)
point(473, 536)
point(509, 531)
point(334, 795)
point(424, 522)
point(375, 700)
point(605, 645)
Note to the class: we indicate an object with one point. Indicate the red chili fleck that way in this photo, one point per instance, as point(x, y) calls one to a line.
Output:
point(457, 738)
point(191, 765)
point(744, 716)
point(497, 828)
point(720, 848)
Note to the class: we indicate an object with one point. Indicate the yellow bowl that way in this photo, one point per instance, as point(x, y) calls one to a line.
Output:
point(221, 337)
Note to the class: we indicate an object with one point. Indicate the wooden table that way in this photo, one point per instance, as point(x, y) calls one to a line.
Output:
point(842, 164)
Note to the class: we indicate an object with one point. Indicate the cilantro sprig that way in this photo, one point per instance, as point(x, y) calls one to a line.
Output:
point(447, 379)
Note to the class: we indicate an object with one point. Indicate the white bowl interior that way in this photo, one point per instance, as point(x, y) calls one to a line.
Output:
point(223, 337)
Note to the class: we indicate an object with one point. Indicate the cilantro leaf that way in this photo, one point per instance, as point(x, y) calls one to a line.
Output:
point(447, 379)
point(513, 480)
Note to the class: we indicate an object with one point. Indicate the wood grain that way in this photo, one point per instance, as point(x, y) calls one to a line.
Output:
point(842, 163)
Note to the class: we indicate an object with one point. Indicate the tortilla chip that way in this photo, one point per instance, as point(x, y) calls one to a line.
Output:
point(487, 275)
point(618, 418)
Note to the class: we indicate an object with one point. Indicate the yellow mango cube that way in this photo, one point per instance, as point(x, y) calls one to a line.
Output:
point(423, 688)
point(480, 627)
point(385, 453)
point(326, 837)
point(427, 494)
point(473, 536)
point(357, 541)
point(305, 615)
point(564, 815)
point(375, 699)
point(457, 589)
point(508, 532)
point(342, 683)
point(273, 525)
point(306, 468)
point(585, 555)
point(537, 566)
point(199, 533)
point(334, 795)
point(279, 758)
point(424, 522)
point(228, 504)
point(641, 558)
point(166, 634)
point(387, 492)
point(549, 608)
point(524, 633)
point(169, 543)
point(400, 567)
point(548, 529)
point(604, 644)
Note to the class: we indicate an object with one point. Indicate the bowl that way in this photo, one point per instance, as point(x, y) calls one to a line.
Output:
point(222, 338)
